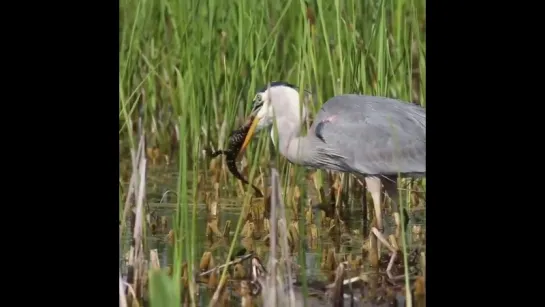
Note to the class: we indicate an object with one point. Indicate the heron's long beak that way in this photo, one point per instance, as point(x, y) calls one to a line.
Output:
point(250, 133)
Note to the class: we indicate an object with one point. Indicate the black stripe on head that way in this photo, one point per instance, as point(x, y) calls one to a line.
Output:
point(276, 83)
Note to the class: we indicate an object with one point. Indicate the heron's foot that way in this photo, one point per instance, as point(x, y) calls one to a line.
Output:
point(392, 247)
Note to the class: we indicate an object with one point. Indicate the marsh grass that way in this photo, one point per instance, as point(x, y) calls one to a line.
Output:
point(189, 70)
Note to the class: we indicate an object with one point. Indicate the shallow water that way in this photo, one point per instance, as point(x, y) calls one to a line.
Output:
point(164, 178)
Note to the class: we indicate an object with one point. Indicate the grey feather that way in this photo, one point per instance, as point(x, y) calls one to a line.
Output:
point(375, 135)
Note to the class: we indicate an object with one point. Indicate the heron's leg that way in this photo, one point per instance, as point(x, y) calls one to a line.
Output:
point(375, 188)
point(392, 249)
point(390, 187)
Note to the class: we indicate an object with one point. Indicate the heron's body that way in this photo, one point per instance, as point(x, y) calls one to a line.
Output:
point(375, 138)
point(368, 136)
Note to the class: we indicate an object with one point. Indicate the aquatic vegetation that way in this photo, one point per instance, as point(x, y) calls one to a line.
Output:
point(189, 231)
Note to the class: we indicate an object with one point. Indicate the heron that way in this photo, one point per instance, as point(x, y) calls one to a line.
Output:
point(374, 138)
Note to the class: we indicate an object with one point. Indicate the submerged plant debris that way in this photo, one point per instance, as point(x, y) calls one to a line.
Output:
point(236, 139)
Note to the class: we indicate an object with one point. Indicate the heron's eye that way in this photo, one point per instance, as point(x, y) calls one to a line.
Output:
point(258, 101)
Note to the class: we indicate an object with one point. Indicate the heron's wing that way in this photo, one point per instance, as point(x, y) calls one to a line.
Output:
point(374, 135)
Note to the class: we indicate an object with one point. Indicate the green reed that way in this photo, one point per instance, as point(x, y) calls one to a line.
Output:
point(189, 70)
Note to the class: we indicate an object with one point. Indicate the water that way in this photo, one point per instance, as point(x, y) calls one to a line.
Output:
point(164, 178)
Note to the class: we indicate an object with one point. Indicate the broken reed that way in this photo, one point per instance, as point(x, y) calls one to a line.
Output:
point(189, 70)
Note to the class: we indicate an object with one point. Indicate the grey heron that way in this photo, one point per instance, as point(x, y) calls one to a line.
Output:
point(374, 138)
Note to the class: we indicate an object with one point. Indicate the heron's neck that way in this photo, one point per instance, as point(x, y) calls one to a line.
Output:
point(290, 143)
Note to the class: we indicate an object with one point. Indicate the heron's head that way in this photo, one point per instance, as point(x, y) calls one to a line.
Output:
point(277, 99)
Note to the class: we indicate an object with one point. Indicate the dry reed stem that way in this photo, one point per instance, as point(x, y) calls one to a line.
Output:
point(154, 259)
point(271, 280)
point(285, 255)
point(245, 293)
point(122, 298)
point(136, 192)
point(130, 258)
point(338, 293)
point(227, 229)
point(238, 260)
point(138, 225)
point(218, 292)
point(423, 263)
point(134, 300)
point(284, 238)
point(420, 292)
point(213, 279)
point(135, 156)
point(205, 261)
point(363, 277)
